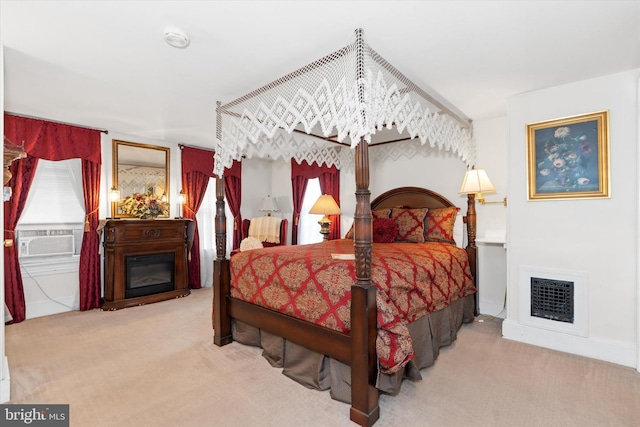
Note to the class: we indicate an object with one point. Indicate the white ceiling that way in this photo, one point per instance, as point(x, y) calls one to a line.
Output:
point(105, 64)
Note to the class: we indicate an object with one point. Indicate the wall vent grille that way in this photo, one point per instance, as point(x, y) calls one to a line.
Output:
point(552, 299)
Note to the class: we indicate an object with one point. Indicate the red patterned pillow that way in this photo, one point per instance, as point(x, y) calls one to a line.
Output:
point(439, 225)
point(410, 224)
point(381, 213)
point(378, 213)
point(385, 230)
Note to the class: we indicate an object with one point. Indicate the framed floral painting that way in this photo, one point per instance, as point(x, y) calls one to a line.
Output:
point(569, 158)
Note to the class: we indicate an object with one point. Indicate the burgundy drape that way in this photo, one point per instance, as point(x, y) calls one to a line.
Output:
point(299, 188)
point(329, 178)
point(89, 253)
point(57, 141)
point(233, 193)
point(22, 171)
point(53, 141)
point(197, 169)
point(330, 184)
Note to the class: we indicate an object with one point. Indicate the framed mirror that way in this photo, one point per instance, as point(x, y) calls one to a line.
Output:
point(141, 176)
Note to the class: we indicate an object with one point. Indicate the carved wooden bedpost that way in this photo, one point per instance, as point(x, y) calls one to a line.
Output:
point(221, 273)
point(472, 249)
point(364, 395)
point(364, 361)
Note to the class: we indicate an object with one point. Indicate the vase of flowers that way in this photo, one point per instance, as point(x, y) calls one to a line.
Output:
point(144, 205)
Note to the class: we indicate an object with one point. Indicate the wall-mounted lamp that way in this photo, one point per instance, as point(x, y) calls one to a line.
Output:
point(325, 205)
point(268, 205)
point(114, 194)
point(182, 198)
point(477, 182)
point(114, 198)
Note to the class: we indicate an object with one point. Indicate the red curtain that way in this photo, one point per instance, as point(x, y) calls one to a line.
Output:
point(330, 184)
point(197, 169)
point(54, 141)
point(329, 178)
point(194, 184)
point(233, 193)
point(22, 171)
point(299, 188)
point(89, 251)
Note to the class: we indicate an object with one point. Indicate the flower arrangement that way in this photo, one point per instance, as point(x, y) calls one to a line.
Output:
point(567, 160)
point(144, 205)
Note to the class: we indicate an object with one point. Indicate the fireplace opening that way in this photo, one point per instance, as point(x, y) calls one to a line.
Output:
point(149, 274)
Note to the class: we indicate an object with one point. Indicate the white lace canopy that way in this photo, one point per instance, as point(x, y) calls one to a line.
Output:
point(353, 92)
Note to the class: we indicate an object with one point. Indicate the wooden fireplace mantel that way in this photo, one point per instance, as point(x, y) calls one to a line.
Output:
point(135, 237)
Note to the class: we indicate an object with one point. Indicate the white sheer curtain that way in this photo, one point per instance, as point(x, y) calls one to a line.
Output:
point(74, 166)
point(55, 195)
point(308, 228)
point(206, 232)
point(37, 178)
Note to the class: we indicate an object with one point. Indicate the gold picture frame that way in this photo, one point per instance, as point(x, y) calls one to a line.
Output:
point(140, 171)
point(568, 158)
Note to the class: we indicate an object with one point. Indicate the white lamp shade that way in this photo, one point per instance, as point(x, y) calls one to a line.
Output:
point(268, 204)
point(325, 205)
point(476, 181)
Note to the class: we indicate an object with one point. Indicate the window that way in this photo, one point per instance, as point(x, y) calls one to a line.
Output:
point(207, 234)
point(308, 227)
point(49, 232)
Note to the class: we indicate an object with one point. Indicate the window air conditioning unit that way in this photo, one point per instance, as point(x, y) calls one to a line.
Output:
point(34, 243)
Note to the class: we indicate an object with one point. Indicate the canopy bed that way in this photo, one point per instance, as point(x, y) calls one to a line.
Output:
point(307, 115)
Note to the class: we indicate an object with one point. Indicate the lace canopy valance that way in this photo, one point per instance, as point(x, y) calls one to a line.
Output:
point(319, 111)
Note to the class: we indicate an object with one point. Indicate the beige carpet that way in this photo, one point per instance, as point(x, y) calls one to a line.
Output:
point(156, 365)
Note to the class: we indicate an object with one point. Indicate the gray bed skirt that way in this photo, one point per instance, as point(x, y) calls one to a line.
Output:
point(317, 371)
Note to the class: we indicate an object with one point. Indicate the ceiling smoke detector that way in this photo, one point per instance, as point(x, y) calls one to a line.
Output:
point(176, 38)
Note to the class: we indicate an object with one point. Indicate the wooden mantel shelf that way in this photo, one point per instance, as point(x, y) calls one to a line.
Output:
point(125, 238)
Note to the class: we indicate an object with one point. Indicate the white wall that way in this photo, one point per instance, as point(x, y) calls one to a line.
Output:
point(491, 142)
point(596, 237)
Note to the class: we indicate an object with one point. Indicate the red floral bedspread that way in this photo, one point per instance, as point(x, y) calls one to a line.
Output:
point(304, 281)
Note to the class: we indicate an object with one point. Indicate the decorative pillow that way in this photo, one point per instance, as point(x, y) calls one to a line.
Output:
point(249, 243)
point(410, 224)
point(381, 213)
point(378, 213)
point(385, 230)
point(439, 225)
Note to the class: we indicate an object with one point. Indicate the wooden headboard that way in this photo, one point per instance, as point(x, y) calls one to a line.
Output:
point(410, 197)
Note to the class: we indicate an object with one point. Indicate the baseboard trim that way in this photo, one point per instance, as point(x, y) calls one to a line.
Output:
point(489, 308)
point(48, 307)
point(608, 351)
point(5, 382)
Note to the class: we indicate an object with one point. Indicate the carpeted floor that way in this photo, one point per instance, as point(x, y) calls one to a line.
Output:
point(156, 365)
